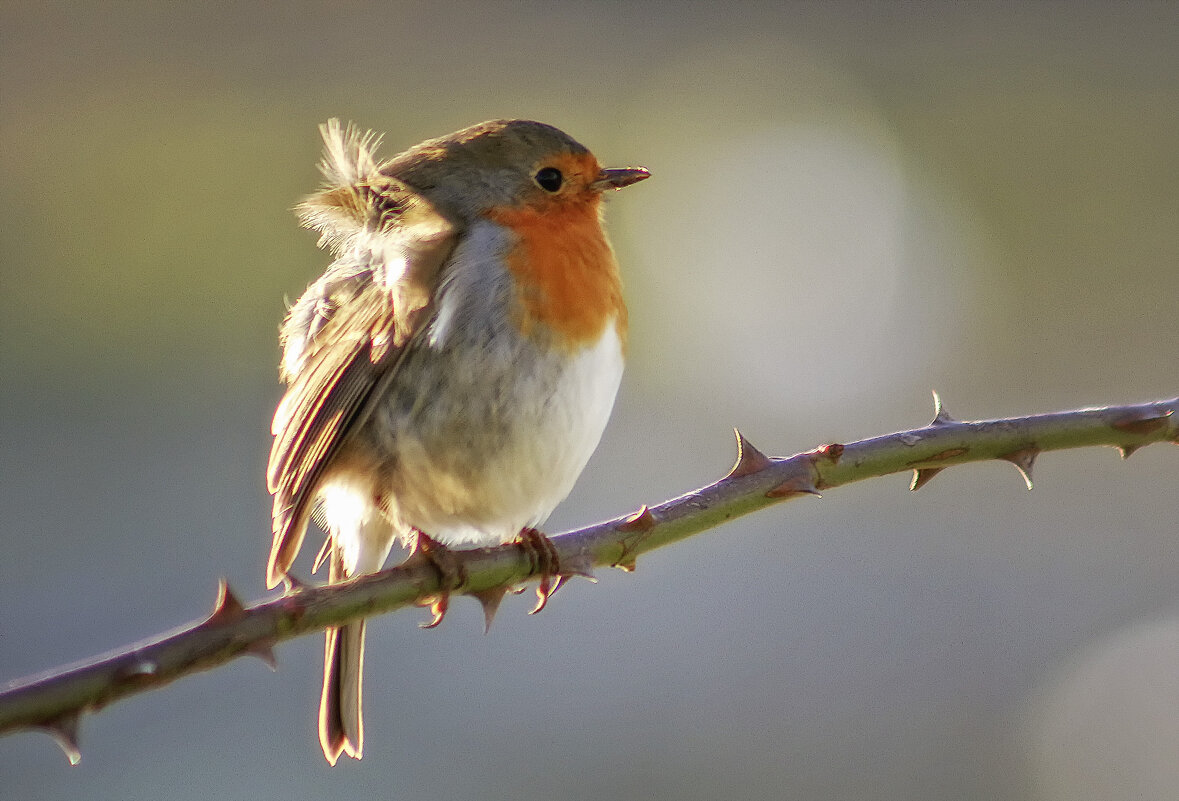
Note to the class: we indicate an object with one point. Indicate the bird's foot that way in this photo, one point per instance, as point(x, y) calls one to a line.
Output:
point(542, 556)
point(451, 574)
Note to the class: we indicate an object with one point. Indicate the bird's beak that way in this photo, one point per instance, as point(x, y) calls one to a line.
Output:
point(620, 177)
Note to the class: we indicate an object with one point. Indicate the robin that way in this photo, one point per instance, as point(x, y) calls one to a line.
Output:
point(451, 372)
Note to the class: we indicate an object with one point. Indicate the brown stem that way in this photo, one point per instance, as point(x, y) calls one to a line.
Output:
point(56, 700)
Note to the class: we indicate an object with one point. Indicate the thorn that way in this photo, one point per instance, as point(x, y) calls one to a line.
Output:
point(1128, 450)
point(940, 416)
point(749, 459)
point(580, 565)
point(640, 522)
point(832, 453)
point(438, 605)
point(137, 670)
point(489, 600)
point(64, 730)
point(922, 476)
point(637, 525)
point(1143, 425)
point(264, 650)
point(227, 608)
point(294, 584)
point(1023, 461)
point(792, 487)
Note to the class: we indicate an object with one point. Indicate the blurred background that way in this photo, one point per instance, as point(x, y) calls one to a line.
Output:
point(853, 203)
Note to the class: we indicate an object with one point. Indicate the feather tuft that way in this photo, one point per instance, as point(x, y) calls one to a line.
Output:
point(350, 200)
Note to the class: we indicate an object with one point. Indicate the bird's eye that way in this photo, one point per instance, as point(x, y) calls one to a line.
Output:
point(549, 179)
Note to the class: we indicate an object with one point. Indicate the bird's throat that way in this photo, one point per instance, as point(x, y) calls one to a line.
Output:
point(565, 273)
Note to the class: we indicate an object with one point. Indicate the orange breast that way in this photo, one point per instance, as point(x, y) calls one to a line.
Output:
point(565, 271)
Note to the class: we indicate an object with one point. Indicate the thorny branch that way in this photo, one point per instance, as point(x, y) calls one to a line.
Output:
point(55, 701)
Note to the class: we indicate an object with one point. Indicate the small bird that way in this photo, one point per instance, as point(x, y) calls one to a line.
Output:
point(450, 374)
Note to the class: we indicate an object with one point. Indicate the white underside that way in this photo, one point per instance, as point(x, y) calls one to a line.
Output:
point(519, 487)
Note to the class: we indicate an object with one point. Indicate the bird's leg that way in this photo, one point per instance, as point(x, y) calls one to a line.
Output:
point(542, 556)
point(451, 574)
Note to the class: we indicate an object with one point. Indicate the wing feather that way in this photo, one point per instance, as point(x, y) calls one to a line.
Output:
point(345, 337)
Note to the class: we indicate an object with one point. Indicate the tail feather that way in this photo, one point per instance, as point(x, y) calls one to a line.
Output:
point(341, 726)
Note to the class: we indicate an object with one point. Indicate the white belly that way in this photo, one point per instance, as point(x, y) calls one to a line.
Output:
point(555, 431)
point(473, 490)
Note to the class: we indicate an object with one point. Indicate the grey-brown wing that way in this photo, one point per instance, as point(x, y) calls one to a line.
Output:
point(324, 401)
point(344, 356)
